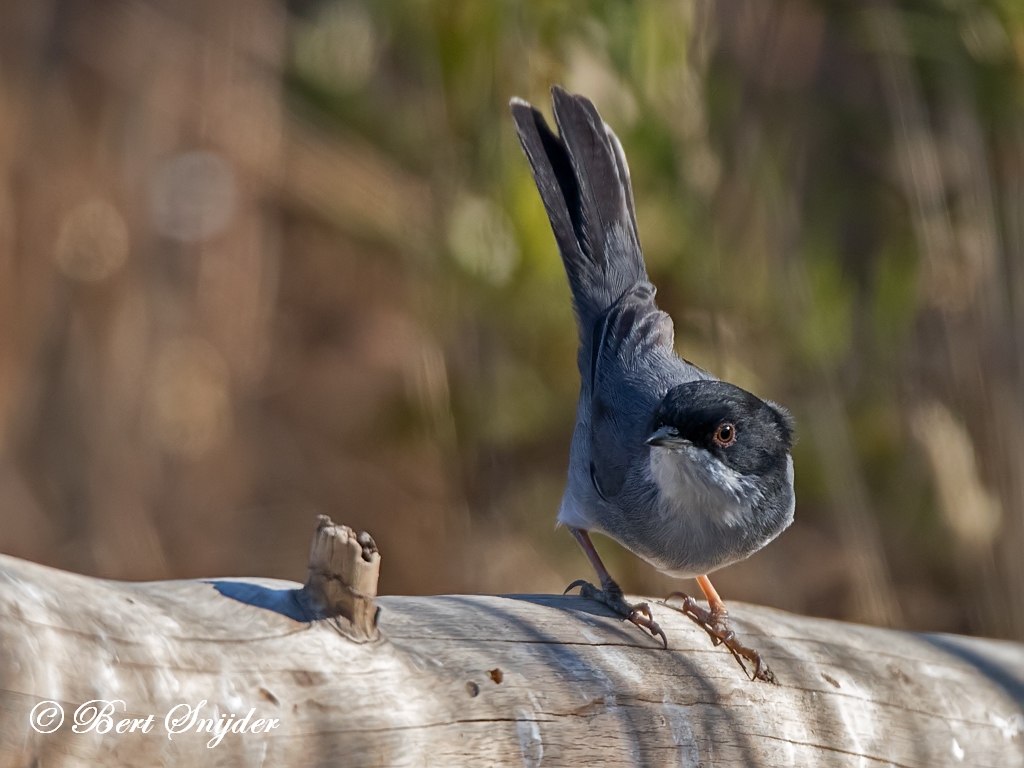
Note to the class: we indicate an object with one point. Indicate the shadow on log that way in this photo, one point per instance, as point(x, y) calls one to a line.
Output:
point(270, 673)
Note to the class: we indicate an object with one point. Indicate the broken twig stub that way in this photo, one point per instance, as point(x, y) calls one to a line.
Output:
point(343, 570)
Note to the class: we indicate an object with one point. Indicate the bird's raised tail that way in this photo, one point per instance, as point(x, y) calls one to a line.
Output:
point(583, 180)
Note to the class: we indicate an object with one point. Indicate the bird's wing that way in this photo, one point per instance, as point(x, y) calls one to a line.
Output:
point(632, 345)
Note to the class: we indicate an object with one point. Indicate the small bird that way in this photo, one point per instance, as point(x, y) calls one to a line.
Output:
point(684, 470)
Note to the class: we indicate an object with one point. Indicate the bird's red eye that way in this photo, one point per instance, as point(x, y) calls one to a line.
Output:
point(725, 435)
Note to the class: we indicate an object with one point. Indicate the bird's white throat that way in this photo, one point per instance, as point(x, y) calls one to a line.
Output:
point(692, 481)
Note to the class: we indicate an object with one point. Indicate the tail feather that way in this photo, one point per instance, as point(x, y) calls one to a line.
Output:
point(623, 168)
point(584, 182)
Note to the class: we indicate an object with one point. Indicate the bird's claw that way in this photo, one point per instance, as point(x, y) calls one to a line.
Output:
point(716, 623)
point(647, 622)
point(645, 609)
point(611, 597)
point(581, 583)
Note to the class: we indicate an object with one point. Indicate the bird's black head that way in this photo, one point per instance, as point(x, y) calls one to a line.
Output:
point(747, 434)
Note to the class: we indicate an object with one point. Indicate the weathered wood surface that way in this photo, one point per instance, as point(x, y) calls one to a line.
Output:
point(480, 680)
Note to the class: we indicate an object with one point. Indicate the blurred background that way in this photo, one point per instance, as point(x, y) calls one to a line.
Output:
point(260, 261)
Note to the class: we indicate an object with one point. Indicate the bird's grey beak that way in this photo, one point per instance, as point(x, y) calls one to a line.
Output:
point(666, 437)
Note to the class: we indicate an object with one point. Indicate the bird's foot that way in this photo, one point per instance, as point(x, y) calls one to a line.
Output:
point(611, 596)
point(716, 623)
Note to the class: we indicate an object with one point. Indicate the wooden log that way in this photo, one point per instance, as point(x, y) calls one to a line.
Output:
point(461, 680)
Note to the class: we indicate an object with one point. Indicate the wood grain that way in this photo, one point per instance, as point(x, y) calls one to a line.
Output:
point(524, 680)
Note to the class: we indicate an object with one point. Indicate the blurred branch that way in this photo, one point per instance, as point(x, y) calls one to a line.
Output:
point(873, 596)
point(973, 515)
point(351, 184)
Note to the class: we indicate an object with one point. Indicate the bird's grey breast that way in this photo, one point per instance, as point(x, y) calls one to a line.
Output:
point(706, 516)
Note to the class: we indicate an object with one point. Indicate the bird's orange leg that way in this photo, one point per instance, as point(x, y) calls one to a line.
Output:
point(714, 601)
point(715, 621)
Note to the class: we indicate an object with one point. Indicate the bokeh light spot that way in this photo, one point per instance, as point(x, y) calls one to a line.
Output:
point(481, 240)
point(92, 242)
point(193, 196)
point(190, 407)
point(339, 49)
